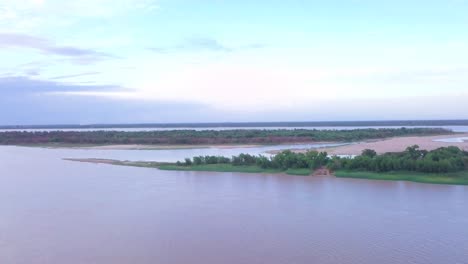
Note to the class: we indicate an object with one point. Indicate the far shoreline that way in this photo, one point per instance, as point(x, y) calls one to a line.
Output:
point(384, 145)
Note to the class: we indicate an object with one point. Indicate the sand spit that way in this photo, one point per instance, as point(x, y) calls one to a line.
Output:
point(96, 161)
point(148, 164)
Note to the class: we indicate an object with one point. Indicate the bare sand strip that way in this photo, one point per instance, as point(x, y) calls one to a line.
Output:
point(93, 160)
point(396, 145)
point(151, 164)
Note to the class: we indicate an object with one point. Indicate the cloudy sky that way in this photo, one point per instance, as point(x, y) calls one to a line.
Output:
point(124, 61)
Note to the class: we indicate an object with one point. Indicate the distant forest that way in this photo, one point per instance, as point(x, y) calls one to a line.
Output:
point(396, 123)
point(189, 137)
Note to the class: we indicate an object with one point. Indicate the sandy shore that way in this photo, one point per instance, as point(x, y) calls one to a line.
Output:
point(149, 164)
point(396, 145)
point(96, 161)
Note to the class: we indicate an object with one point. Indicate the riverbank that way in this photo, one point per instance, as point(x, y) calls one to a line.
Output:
point(205, 167)
point(396, 144)
point(454, 178)
point(232, 168)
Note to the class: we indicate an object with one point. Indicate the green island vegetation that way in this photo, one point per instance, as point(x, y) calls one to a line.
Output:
point(446, 165)
point(194, 137)
point(284, 162)
point(441, 160)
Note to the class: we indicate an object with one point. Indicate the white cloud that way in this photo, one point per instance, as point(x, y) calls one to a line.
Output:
point(235, 87)
point(32, 15)
point(6, 13)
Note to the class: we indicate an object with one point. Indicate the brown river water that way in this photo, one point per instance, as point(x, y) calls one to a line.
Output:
point(55, 211)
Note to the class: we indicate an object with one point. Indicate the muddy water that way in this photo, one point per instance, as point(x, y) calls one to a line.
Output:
point(54, 211)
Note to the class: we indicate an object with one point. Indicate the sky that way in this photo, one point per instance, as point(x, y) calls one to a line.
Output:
point(170, 61)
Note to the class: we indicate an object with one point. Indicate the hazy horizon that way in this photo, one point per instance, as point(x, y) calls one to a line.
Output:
point(254, 124)
point(160, 61)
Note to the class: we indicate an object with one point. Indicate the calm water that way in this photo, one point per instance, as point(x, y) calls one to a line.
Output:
point(453, 140)
point(55, 211)
point(151, 155)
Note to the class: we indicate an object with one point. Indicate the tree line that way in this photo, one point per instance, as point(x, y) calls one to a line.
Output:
point(235, 136)
point(283, 160)
point(445, 159)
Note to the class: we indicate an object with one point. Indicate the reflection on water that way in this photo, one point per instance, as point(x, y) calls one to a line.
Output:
point(55, 211)
point(165, 155)
point(452, 140)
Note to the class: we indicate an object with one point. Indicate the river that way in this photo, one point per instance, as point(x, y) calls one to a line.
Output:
point(56, 211)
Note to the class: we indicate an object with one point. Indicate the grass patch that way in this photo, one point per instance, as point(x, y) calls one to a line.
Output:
point(457, 178)
point(299, 172)
point(232, 168)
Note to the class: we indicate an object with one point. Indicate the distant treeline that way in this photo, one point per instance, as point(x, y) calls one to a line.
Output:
point(446, 159)
point(397, 123)
point(239, 136)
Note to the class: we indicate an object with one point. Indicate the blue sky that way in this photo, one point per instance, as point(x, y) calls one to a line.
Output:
point(103, 61)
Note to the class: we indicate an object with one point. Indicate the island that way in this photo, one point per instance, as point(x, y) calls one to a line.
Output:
point(445, 165)
point(393, 157)
point(188, 138)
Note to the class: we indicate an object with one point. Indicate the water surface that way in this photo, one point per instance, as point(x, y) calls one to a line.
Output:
point(162, 155)
point(452, 140)
point(55, 211)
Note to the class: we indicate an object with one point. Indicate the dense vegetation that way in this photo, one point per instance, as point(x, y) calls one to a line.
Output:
point(441, 160)
point(285, 161)
point(446, 159)
point(447, 165)
point(282, 161)
point(237, 136)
